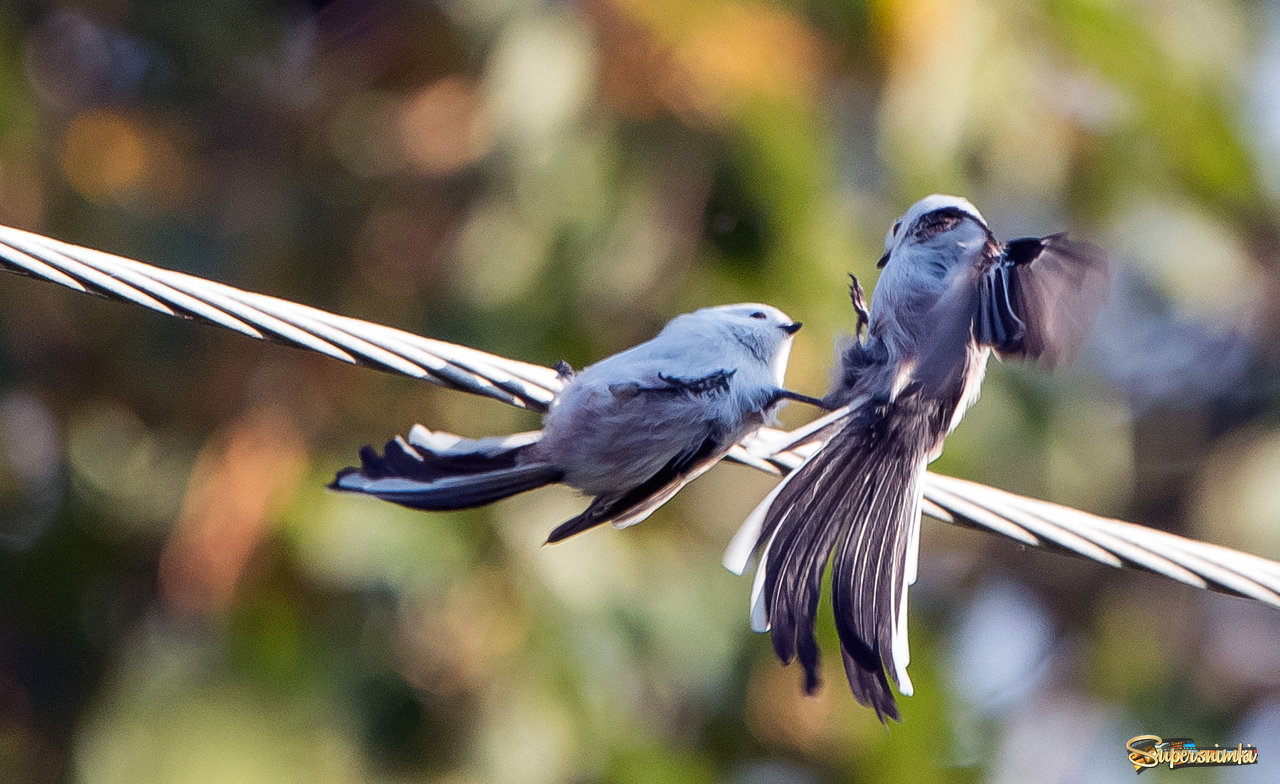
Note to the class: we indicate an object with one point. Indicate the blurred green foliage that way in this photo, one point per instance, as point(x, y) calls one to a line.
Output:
point(181, 601)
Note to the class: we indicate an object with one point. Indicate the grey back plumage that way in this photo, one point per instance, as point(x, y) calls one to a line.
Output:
point(711, 374)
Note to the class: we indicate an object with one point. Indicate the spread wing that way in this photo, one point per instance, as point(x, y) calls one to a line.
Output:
point(1026, 520)
point(1039, 296)
point(1031, 298)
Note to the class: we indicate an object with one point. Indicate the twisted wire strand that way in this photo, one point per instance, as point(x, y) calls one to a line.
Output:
point(1029, 521)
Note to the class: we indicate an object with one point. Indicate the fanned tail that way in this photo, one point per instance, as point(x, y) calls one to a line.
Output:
point(860, 496)
point(439, 471)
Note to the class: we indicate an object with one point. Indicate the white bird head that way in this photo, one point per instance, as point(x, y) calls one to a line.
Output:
point(763, 331)
point(931, 212)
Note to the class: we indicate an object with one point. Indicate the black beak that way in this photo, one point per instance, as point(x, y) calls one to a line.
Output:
point(883, 260)
point(792, 328)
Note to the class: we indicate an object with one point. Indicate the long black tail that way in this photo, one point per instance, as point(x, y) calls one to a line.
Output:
point(859, 495)
point(437, 471)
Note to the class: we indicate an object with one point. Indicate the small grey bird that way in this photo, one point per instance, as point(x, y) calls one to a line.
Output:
point(630, 430)
point(949, 295)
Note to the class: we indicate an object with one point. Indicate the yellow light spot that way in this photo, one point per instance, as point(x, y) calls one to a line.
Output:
point(443, 128)
point(103, 155)
point(110, 156)
point(710, 58)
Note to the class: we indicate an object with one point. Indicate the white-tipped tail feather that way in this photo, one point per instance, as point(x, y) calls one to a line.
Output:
point(440, 471)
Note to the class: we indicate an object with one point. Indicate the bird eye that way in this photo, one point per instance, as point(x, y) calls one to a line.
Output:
point(896, 225)
point(759, 314)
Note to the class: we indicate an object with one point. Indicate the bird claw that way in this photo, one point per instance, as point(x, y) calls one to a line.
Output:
point(859, 300)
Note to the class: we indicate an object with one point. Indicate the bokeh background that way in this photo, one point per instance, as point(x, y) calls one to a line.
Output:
point(182, 601)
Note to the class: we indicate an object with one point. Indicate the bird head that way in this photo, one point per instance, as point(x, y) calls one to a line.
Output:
point(933, 217)
point(763, 330)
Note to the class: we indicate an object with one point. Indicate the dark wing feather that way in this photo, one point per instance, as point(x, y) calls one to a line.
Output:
point(639, 502)
point(633, 505)
point(1040, 297)
point(1032, 298)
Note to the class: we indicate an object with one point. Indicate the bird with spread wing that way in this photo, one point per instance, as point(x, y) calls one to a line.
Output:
point(1024, 520)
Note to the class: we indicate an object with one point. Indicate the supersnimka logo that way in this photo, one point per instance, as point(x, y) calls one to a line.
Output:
point(1150, 751)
